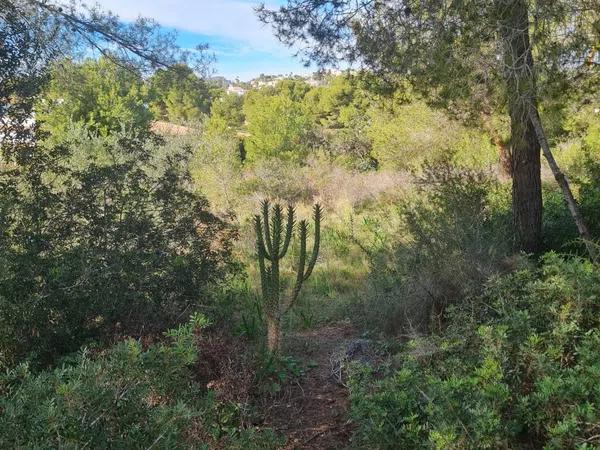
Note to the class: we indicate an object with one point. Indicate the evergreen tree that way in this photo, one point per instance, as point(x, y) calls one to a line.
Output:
point(99, 94)
point(478, 52)
point(179, 95)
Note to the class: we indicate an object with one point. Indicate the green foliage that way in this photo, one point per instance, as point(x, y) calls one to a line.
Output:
point(339, 111)
point(276, 371)
point(178, 95)
point(295, 89)
point(408, 134)
point(128, 397)
point(392, 406)
point(560, 232)
point(454, 235)
point(215, 166)
point(294, 122)
point(35, 35)
point(334, 104)
point(460, 56)
point(226, 113)
point(279, 126)
point(105, 234)
point(589, 192)
point(516, 368)
point(107, 242)
point(451, 57)
point(101, 95)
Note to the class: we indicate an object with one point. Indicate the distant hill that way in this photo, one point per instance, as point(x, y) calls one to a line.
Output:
point(263, 80)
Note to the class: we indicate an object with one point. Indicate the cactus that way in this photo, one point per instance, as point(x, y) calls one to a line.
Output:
point(273, 237)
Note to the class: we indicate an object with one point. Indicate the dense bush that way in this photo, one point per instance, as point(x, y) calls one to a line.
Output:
point(177, 94)
point(129, 397)
point(405, 135)
point(518, 367)
point(454, 234)
point(216, 167)
point(278, 126)
point(102, 237)
point(589, 190)
point(103, 96)
point(560, 232)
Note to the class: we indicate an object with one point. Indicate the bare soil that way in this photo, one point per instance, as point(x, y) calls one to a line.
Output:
point(313, 414)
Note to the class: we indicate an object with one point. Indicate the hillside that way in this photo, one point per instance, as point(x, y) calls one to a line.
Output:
point(400, 256)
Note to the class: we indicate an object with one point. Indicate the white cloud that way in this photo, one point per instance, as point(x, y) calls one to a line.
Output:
point(230, 19)
point(244, 47)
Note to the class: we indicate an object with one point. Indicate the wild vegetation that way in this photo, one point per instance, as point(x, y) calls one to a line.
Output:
point(443, 296)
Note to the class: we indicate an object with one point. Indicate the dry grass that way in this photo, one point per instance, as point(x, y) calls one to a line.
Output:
point(170, 129)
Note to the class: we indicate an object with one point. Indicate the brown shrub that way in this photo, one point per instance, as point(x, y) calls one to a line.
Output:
point(225, 366)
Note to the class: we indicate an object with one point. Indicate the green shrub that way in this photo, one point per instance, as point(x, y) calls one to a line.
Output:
point(101, 244)
point(589, 190)
point(560, 232)
point(177, 94)
point(216, 167)
point(454, 234)
point(278, 125)
point(517, 367)
point(127, 397)
point(409, 134)
point(102, 96)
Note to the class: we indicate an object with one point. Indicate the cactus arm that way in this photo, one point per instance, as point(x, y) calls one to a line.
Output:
point(277, 222)
point(274, 282)
point(276, 244)
point(267, 227)
point(315, 251)
point(301, 263)
point(289, 229)
point(260, 250)
point(260, 243)
point(264, 283)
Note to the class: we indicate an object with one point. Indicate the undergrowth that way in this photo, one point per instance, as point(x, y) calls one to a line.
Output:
point(125, 397)
point(517, 367)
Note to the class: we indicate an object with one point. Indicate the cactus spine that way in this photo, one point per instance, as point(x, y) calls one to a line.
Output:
point(273, 237)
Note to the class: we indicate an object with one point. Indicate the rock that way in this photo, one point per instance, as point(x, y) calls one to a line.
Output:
point(362, 351)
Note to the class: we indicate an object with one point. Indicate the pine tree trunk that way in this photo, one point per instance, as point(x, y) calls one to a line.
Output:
point(526, 185)
point(273, 335)
point(524, 145)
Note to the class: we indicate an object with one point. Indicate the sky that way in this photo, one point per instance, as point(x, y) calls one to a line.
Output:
point(243, 46)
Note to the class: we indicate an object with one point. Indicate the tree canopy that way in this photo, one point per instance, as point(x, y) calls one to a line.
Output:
point(179, 95)
point(84, 210)
point(494, 55)
point(98, 94)
point(37, 33)
point(278, 125)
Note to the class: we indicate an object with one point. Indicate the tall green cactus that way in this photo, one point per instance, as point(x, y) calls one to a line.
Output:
point(273, 237)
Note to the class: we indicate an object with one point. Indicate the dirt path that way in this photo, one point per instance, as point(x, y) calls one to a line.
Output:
point(314, 414)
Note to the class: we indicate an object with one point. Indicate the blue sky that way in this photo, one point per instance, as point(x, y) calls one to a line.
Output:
point(243, 46)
